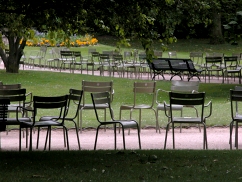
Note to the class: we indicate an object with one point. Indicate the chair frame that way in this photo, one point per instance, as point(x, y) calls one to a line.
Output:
point(55, 102)
point(17, 95)
point(193, 99)
point(213, 64)
point(74, 96)
point(89, 87)
point(235, 97)
point(141, 88)
point(179, 86)
point(232, 67)
point(104, 98)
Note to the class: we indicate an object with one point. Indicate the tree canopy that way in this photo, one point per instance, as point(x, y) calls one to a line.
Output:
point(145, 20)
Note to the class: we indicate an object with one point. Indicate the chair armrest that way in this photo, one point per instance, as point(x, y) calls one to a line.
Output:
point(210, 109)
point(29, 96)
point(167, 109)
point(112, 94)
point(24, 109)
point(157, 93)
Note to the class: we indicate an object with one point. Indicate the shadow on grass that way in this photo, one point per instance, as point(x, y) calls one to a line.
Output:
point(141, 165)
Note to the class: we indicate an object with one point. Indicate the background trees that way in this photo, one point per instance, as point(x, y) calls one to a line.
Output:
point(146, 20)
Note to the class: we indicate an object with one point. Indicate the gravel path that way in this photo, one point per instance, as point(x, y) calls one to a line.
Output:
point(190, 138)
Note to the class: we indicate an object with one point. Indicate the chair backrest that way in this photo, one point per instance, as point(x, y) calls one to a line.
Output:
point(66, 53)
point(230, 62)
point(14, 95)
point(77, 56)
point(184, 86)
point(17, 98)
point(196, 57)
point(213, 61)
point(95, 87)
point(188, 99)
point(95, 57)
point(235, 98)
point(56, 104)
point(43, 50)
point(118, 59)
point(144, 88)
point(10, 86)
point(90, 51)
point(3, 113)
point(158, 54)
point(142, 57)
point(74, 97)
point(101, 98)
point(128, 56)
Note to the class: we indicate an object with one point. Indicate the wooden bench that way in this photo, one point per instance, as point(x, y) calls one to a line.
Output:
point(176, 66)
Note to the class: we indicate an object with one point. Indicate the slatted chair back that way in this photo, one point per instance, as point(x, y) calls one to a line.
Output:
point(100, 99)
point(197, 58)
point(144, 88)
point(3, 113)
point(10, 86)
point(55, 102)
point(94, 87)
point(184, 86)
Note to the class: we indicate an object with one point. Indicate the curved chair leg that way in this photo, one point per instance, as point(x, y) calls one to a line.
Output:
point(205, 142)
point(95, 144)
point(139, 136)
point(67, 139)
point(173, 135)
point(157, 121)
point(231, 132)
point(64, 137)
point(167, 128)
point(236, 135)
point(123, 138)
point(115, 136)
point(77, 135)
point(37, 145)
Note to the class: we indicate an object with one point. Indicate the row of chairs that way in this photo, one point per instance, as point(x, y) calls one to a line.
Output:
point(176, 100)
point(100, 98)
point(58, 120)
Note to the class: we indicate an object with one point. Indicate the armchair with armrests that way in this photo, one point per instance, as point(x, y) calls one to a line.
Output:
point(188, 99)
point(176, 86)
point(140, 91)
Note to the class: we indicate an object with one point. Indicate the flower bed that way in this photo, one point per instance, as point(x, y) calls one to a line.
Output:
point(75, 41)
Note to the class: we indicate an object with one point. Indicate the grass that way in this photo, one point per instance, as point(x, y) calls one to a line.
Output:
point(108, 166)
point(46, 83)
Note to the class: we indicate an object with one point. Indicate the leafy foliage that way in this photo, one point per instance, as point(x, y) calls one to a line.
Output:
point(233, 29)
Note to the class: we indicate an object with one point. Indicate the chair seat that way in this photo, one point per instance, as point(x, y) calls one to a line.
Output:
point(238, 118)
point(143, 106)
point(174, 107)
point(128, 123)
point(98, 106)
point(125, 123)
point(234, 71)
point(187, 120)
point(13, 121)
point(46, 118)
point(47, 123)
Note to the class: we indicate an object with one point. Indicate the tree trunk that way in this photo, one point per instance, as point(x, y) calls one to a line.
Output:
point(11, 62)
point(216, 35)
